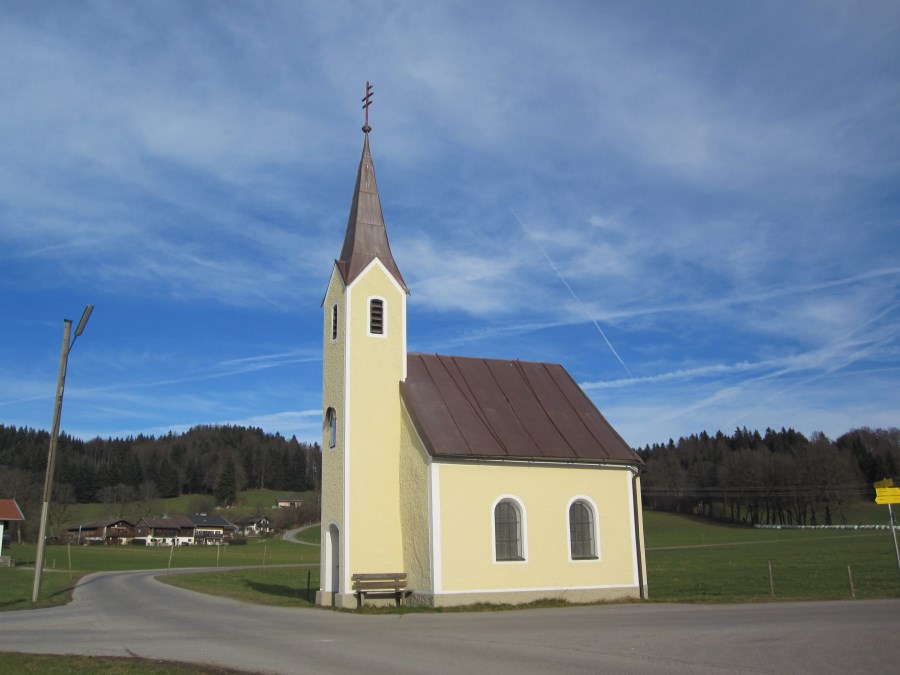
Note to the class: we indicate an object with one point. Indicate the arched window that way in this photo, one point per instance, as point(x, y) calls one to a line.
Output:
point(334, 321)
point(331, 417)
point(582, 533)
point(508, 531)
point(376, 316)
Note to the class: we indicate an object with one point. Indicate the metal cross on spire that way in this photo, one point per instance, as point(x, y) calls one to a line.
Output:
point(367, 101)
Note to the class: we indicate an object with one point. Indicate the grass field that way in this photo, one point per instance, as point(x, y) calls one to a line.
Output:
point(16, 583)
point(105, 665)
point(250, 502)
point(280, 586)
point(691, 560)
point(688, 560)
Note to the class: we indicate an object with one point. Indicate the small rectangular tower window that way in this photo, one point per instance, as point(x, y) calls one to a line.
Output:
point(376, 316)
point(334, 321)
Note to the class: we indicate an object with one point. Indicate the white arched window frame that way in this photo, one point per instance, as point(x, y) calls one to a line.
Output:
point(331, 419)
point(376, 316)
point(583, 538)
point(509, 530)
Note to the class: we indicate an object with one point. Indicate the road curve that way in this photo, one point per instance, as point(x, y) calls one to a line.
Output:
point(132, 614)
point(291, 535)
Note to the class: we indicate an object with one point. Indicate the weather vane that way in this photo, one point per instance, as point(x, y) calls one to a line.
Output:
point(367, 101)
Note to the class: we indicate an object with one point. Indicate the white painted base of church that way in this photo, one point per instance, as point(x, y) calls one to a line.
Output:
point(573, 595)
point(336, 600)
point(428, 599)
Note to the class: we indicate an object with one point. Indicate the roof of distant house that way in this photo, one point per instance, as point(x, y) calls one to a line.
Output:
point(97, 524)
point(207, 520)
point(250, 520)
point(9, 510)
point(167, 521)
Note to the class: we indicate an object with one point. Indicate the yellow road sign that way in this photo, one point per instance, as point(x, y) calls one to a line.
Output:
point(887, 482)
point(887, 495)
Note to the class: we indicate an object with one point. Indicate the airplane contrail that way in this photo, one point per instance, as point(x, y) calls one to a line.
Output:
point(571, 292)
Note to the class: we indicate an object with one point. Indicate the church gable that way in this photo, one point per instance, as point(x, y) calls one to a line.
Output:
point(490, 408)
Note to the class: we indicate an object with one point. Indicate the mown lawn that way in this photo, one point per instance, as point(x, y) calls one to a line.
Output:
point(695, 561)
point(11, 662)
point(312, 535)
point(57, 582)
point(250, 502)
point(688, 560)
point(279, 586)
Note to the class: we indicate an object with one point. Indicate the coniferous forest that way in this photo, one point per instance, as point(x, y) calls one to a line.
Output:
point(217, 461)
point(779, 478)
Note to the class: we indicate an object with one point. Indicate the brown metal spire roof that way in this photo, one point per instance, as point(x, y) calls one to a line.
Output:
point(488, 408)
point(366, 237)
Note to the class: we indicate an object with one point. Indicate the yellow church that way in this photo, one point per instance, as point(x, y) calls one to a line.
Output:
point(481, 480)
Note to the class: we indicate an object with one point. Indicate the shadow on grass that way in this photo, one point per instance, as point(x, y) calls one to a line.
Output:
point(280, 590)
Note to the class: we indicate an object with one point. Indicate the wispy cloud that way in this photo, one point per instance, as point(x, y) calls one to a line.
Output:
point(710, 191)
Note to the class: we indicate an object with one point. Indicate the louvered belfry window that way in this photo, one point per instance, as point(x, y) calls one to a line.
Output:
point(508, 531)
point(376, 317)
point(334, 321)
point(581, 532)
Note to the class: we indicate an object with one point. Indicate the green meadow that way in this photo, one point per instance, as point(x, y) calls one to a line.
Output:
point(691, 560)
point(250, 502)
point(688, 560)
point(64, 565)
point(102, 665)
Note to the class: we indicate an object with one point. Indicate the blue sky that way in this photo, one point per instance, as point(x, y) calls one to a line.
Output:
point(693, 206)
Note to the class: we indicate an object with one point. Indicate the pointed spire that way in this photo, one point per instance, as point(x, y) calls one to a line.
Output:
point(366, 237)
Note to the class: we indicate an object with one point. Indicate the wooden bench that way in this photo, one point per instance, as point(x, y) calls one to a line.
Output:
point(382, 583)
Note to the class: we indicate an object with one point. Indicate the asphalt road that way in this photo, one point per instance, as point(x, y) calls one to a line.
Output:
point(131, 614)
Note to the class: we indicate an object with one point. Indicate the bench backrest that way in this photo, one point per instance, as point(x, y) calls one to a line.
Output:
point(379, 581)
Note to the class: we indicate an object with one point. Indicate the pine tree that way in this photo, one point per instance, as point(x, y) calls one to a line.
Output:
point(226, 488)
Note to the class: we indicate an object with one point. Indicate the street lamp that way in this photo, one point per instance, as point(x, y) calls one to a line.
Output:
point(54, 436)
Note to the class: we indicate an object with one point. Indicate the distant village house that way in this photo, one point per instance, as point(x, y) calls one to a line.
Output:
point(9, 513)
point(288, 502)
point(253, 526)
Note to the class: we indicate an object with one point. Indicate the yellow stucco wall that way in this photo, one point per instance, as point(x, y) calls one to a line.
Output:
point(333, 368)
point(375, 368)
point(414, 507)
point(467, 496)
point(640, 512)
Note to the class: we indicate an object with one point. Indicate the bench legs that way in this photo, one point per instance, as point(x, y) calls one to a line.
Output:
point(361, 597)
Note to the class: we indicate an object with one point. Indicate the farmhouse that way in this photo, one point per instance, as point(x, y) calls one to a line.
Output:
point(115, 531)
point(288, 502)
point(180, 530)
point(253, 526)
point(462, 479)
point(9, 513)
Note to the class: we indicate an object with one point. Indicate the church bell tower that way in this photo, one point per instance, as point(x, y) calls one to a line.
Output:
point(364, 360)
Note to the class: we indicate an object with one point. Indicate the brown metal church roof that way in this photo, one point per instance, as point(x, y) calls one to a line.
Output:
point(489, 408)
point(366, 237)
